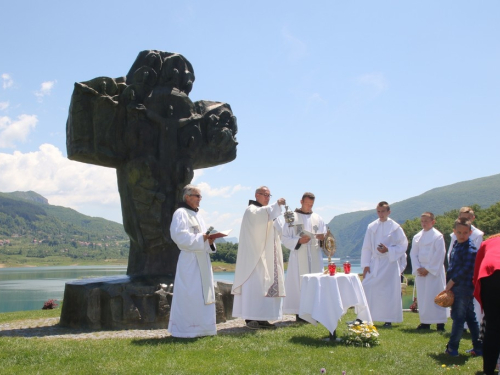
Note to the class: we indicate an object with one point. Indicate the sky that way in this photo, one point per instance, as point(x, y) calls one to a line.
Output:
point(355, 101)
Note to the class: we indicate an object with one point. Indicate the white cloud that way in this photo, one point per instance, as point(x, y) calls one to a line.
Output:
point(375, 80)
point(4, 106)
point(7, 81)
point(15, 131)
point(45, 89)
point(297, 49)
point(197, 174)
point(224, 192)
point(89, 189)
point(223, 221)
point(93, 190)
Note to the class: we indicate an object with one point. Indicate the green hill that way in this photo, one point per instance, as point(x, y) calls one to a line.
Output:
point(349, 229)
point(32, 228)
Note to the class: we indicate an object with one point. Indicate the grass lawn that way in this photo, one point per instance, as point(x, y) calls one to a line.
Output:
point(296, 349)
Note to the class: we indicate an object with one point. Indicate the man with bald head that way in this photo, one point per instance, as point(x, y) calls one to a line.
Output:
point(258, 285)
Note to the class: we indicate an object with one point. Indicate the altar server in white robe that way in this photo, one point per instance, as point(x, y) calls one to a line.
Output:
point(427, 255)
point(258, 285)
point(306, 255)
point(382, 256)
point(477, 239)
point(193, 303)
point(477, 235)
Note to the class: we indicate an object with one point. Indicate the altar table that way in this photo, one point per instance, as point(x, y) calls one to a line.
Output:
point(325, 298)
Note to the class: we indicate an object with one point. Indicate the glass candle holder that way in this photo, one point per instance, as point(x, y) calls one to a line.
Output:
point(332, 268)
point(347, 267)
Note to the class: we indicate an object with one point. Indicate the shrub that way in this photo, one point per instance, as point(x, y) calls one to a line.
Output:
point(50, 304)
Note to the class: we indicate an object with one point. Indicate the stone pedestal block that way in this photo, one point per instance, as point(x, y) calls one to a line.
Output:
point(121, 302)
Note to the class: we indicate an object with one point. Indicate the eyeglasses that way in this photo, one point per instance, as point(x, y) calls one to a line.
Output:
point(196, 195)
point(265, 195)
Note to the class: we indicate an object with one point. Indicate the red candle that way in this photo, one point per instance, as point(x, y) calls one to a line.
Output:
point(347, 267)
point(331, 268)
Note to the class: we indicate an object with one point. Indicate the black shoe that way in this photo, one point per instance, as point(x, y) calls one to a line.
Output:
point(387, 325)
point(334, 336)
point(298, 319)
point(252, 324)
point(266, 325)
point(440, 327)
point(424, 326)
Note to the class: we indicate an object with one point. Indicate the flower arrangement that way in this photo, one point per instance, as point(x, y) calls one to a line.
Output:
point(361, 333)
point(50, 304)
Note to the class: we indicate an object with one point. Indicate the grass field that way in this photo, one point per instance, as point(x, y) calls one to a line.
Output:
point(296, 349)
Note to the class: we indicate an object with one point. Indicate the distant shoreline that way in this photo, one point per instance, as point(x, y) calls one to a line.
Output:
point(58, 264)
point(216, 266)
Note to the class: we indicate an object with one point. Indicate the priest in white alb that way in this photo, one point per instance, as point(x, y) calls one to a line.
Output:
point(302, 238)
point(382, 256)
point(193, 304)
point(427, 255)
point(258, 286)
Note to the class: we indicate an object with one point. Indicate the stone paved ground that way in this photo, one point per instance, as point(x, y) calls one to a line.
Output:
point(49, 329)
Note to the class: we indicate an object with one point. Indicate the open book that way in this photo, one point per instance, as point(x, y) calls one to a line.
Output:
point(309, 234)
point(217, 234)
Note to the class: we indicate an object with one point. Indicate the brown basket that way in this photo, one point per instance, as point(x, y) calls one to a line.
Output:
point(445, 298)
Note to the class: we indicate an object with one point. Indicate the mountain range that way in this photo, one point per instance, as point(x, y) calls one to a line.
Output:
point(31, 228)
point(349, 229)
point(29, 215)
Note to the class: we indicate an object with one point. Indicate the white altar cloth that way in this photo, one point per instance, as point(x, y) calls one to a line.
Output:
point(325, 298)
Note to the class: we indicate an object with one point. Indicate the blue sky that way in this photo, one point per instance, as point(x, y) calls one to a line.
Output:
point(356, 101)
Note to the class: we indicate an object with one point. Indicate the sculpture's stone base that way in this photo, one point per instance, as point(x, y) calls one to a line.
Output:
point(120, 302)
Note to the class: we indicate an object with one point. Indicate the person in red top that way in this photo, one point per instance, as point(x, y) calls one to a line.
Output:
point(486, 290)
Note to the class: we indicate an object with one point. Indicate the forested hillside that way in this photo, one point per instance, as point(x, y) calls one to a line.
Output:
point(349, 229)
point(31, 228)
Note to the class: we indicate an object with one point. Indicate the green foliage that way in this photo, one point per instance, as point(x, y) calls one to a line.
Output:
point(227, 252)
point(31, 229)
point(19, 209)
point(349, 229)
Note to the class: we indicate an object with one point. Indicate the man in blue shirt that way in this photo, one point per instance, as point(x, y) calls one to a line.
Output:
point(459, 281)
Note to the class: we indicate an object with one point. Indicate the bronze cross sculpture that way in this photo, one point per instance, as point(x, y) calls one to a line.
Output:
point(146, 126)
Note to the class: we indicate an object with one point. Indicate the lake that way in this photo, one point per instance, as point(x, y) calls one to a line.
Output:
point(28, 288)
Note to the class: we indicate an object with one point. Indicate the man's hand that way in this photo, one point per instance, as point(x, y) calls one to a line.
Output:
point(304, 239)
point(382, 248)
point(320, 237)
point(281, 201)
point(449, 285)
point(422, 271)
point(365, 271)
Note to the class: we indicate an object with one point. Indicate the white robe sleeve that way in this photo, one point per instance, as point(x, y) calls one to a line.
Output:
point(274, 210)
point(366, 250)
point(185, 240)
point(398, 246)
point(289, 238)
point(478, 238)
point(438, 253)
point(415, 263)
point(452, 241)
